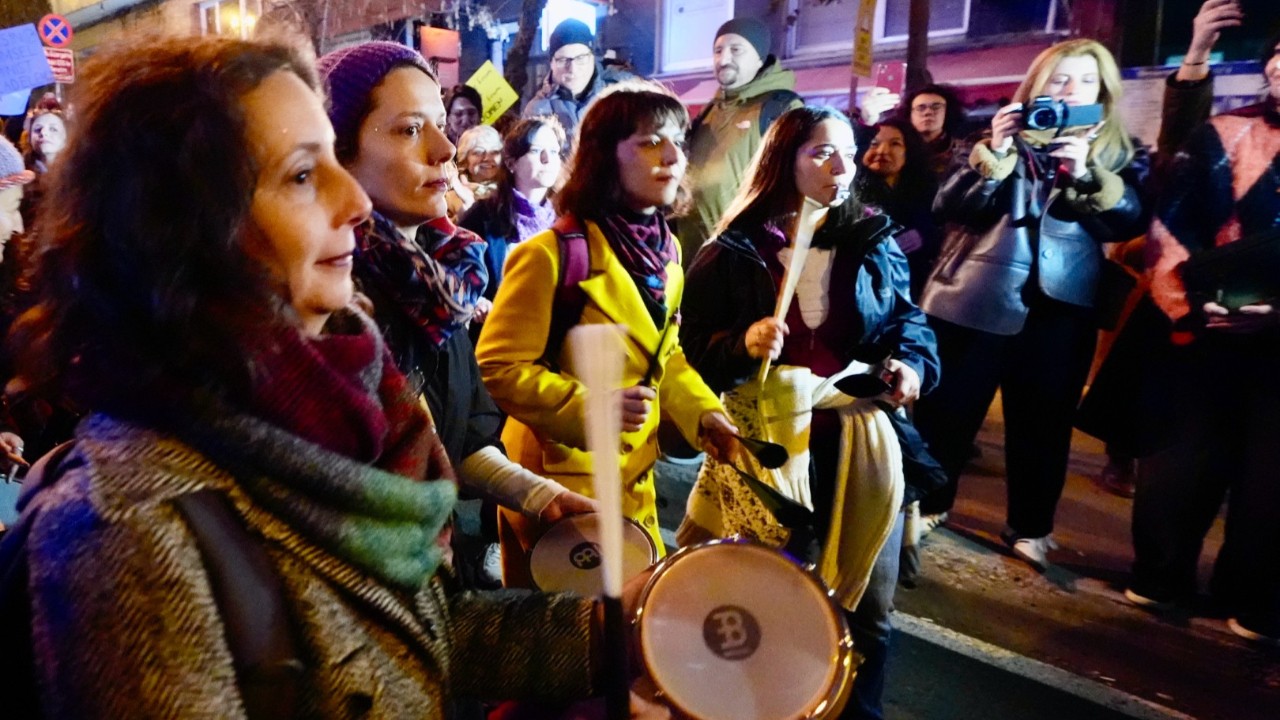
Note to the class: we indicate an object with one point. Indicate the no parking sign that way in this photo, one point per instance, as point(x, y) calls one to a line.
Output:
point(55, 31)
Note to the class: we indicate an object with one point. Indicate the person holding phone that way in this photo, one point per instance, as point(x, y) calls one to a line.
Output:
point(1222, 189)
point(1011, 296)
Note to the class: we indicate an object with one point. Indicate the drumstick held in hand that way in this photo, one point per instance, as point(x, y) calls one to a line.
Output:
point(802, 232)
point(597, 357)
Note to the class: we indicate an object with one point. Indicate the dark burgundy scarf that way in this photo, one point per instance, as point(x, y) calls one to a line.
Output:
point(342, 391)
point(644, 246)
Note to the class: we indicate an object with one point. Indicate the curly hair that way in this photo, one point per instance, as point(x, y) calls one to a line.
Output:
point(914, 180)
point(954, 116)
point(146, 301)
point(594, 186)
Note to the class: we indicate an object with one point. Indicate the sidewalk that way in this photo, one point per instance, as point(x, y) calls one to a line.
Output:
point(1075, 617)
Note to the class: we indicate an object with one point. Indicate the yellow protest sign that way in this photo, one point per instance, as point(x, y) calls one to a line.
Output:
point(496, 94)
point(863, 30)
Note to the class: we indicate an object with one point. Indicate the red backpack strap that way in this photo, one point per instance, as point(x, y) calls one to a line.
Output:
point(569, 300)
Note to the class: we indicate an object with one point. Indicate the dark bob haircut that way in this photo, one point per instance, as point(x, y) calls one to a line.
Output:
point(594, 187)
point(145, 296)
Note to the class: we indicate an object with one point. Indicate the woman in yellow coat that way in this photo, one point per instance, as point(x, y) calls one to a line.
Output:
point(627, 169)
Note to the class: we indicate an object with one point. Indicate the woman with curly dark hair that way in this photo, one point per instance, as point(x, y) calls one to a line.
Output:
point(898, 181)
point(245, 418)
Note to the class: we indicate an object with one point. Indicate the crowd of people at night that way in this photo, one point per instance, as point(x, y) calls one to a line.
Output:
point(269, 316)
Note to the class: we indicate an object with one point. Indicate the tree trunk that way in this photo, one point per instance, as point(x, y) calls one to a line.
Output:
point(516, 71)
point(22, 12)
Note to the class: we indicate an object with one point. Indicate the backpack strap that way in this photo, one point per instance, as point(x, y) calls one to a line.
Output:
point(776, 103)
point(250, 598)
point(569, 299)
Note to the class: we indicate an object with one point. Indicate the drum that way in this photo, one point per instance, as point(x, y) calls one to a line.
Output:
point(734, 630)
point(567, 556)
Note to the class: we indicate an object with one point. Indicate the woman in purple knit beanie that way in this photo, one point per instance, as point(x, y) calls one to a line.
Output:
point(425, 275)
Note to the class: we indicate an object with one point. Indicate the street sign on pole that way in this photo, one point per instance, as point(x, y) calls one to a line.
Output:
point(55, 31)
point(863, 31)
point(62, 61)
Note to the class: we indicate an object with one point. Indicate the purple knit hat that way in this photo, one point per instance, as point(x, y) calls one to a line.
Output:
point(12, 170)
point(350, 75)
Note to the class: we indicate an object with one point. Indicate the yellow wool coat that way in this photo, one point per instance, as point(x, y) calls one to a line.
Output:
point(544, 430)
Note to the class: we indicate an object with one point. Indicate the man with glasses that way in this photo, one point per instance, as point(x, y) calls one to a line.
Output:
point(754, 91)
point(576, 76)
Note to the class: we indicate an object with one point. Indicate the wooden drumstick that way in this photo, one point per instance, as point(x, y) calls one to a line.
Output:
point(598, 353)
point(802, 232)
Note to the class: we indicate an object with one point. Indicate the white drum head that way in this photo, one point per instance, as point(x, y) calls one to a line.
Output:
point(738, 632)
point(567, 556)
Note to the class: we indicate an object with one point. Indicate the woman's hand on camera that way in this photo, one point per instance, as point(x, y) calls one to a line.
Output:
point(1073, 152)
point(635, 401)
point(903, 380)
point(764, 338)
point(1246, 319)
point(1004, 126)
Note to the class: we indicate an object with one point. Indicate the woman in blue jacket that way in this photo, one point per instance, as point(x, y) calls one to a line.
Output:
point(853, 294)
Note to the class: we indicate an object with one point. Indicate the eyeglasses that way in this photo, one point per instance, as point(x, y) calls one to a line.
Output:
point(576, 61)
point(935, 107)
point(480, 153)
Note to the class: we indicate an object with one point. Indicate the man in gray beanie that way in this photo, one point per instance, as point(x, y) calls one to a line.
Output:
point(754, 91)
point(576, 76)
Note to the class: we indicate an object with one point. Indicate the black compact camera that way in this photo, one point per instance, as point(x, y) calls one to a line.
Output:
point(1045, 113)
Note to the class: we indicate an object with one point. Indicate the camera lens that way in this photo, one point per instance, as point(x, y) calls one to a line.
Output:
point(1042, 118)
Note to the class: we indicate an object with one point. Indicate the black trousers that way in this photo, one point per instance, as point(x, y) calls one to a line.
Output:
point(1226, 442)
point(1040, 372)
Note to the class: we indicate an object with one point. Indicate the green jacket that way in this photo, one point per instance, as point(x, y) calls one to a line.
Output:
point(722, 147)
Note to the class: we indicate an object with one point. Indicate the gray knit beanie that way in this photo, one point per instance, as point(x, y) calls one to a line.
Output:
point(752, 30)
point(570, 32)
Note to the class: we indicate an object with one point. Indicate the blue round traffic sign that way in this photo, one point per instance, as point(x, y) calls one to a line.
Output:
point(54, 30)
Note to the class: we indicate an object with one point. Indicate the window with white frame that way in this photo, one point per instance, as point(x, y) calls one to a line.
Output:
point(688, 32)
point(228, 17)
point(823, 27)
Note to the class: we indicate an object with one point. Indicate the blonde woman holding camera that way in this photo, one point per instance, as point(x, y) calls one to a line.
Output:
point(1012, 296)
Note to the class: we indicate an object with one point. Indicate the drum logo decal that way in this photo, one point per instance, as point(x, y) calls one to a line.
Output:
point(585, 556)
point(731, 632)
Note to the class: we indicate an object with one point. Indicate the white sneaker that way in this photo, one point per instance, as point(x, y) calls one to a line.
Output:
point(491, 567)
point(929, 523)
point(1234, 626)
point(1035, 551)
